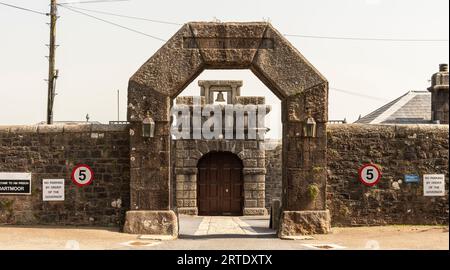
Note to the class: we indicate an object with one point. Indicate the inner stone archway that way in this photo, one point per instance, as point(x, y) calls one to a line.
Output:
point(263, 50)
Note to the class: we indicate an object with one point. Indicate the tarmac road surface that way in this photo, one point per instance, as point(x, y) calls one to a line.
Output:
point(223, 233)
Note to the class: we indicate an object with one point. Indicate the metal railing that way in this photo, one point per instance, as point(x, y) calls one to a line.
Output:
point(119, 122)
point(337, 121)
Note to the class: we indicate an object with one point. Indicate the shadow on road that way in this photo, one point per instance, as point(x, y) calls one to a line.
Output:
point(61, 227)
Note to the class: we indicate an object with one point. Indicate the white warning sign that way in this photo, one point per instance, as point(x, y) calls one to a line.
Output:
point(433, 185)
point(53, 189)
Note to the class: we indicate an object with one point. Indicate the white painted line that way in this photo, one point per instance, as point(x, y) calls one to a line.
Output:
point(155, 237)
point(300, 237)
point(323, 246)
point(134, 243)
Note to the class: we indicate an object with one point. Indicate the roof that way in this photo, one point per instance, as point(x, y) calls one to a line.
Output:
point(414, 107)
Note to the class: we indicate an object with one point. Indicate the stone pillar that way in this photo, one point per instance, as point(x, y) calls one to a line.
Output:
point(253, 158)
point(439, 95)
point(186, 159)
point(304, 165)
point(150, 211)
point(275, 214)
point(254, 191)
point(186, 191)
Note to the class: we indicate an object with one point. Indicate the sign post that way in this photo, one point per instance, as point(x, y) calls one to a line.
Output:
point(369, 174)
point(82, 175)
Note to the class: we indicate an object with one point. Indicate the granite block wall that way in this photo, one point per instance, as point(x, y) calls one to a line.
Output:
point(273, 172)
point(397, 150)
point(51, 152)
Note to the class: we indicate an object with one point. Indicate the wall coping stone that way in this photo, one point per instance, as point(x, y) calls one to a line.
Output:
point(392, 127)
point(86, 128)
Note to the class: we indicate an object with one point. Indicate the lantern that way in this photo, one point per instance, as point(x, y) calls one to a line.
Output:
point(309, 128)
point(148, 127)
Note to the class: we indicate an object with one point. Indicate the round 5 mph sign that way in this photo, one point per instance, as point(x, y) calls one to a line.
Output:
point(82, 175)
point(369, 175)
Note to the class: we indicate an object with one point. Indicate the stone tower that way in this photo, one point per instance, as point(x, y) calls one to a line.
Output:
point(439, 95)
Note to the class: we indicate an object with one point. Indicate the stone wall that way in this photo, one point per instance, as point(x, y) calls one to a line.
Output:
point(273, 172)
point(52, 152)
point(398, 150)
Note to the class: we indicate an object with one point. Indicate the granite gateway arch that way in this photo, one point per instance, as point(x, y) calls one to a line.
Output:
point(262, 49)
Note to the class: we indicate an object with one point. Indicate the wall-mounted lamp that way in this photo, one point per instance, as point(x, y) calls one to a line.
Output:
point(148, 127)
point(310, 127)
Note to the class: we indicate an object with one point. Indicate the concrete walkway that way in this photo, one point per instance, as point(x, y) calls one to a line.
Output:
point(224, 225)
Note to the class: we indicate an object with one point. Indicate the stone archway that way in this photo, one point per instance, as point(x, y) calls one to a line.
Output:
point(263, 50)
point(188, 153)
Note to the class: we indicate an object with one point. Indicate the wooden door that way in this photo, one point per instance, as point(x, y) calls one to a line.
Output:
point(220, 185)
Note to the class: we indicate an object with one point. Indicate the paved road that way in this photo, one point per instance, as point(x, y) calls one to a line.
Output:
point(222, 233)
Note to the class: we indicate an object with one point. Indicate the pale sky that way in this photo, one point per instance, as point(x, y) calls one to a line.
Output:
point(95, 59)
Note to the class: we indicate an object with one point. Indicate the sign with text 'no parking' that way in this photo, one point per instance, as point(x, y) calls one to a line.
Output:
point(434, 185)
point(52, 190)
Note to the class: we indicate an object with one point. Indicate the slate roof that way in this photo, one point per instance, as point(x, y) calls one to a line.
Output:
point(414, 107)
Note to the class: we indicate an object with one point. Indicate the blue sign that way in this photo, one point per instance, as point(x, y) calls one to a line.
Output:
point(412, 178)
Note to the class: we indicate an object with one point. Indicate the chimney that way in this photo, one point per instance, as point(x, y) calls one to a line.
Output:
point(439, 95)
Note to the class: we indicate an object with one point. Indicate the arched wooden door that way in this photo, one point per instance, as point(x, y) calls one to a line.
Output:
point(220, 184)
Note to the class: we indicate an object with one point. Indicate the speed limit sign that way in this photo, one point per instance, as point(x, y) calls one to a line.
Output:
point(82, 175)
point(369, 175)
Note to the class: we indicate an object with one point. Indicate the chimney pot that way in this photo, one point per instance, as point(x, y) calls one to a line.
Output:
point(443, 67)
